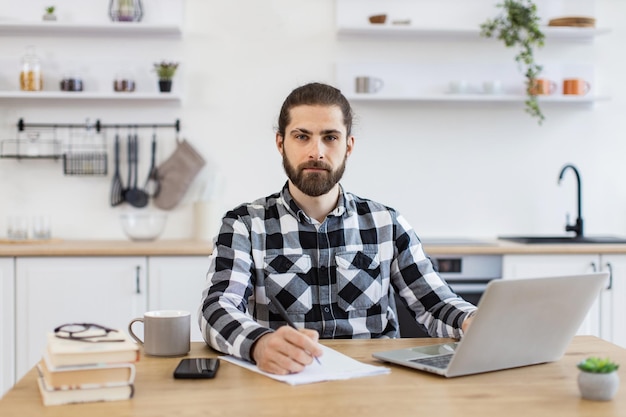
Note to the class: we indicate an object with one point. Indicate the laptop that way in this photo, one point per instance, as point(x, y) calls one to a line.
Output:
point(519, 322)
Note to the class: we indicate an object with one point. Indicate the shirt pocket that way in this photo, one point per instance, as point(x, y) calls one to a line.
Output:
point(359, 284)
point(286, 274)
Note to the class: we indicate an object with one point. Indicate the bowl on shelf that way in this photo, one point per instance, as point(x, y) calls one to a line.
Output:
point(143, 226)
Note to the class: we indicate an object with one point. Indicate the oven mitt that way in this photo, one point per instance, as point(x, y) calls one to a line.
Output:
point(176, 174)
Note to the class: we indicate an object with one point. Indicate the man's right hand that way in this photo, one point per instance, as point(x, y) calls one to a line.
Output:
point(286, 351)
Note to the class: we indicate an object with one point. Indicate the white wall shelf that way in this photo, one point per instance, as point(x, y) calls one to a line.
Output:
point(59, 95)
point(90, 29)
point(565, 34)
point(476, 98)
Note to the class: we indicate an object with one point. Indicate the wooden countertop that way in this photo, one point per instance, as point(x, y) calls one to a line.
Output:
point(58, 247)
point(190, 247)
point(500, 247)
point(547, 390)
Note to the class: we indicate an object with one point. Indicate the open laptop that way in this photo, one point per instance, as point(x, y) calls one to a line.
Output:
point(519, 322)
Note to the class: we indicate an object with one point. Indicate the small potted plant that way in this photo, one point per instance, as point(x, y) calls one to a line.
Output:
point(49, 13)
point(165, 71)
point(598, 379)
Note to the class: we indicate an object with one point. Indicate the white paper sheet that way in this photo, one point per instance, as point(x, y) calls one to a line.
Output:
point(334, 366)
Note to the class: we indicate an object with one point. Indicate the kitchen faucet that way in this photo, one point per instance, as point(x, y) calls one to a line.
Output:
point(578, 227)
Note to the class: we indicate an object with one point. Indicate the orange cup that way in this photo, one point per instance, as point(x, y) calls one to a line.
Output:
point(575, 86)
point(542, 86)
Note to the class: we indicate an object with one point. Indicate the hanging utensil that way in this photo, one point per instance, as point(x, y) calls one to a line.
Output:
point(117, 188)
point(129, 158)
point(152, 185)
point(135, 196)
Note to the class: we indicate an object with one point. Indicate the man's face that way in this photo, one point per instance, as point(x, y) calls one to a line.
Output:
point(315, 148)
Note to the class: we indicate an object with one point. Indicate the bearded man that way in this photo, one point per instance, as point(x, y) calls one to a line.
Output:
point(331, 259)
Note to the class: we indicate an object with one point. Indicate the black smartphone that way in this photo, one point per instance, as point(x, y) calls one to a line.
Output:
point(196, 368)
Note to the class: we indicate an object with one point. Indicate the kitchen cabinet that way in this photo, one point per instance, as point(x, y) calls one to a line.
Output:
point(602, 320)
point(424, 74)
point(176, 283)
point(51, 291)
point(7, 325)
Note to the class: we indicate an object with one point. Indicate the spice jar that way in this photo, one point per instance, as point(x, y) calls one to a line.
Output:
point(31, 78)
point(123, 82)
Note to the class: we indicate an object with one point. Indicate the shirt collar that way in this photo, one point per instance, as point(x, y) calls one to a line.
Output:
point(345, 205)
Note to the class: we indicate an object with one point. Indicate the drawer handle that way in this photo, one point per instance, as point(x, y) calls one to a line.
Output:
point(137, 281)
point(610, 268)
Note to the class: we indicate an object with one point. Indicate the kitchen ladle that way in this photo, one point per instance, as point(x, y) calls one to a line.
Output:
point(153, 185)
point(117, 188)
point(135, 196)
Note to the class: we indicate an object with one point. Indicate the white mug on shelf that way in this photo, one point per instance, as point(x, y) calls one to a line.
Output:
point(492, 87)
point(459, 87)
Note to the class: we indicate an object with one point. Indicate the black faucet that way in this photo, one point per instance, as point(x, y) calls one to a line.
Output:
point(578, 227)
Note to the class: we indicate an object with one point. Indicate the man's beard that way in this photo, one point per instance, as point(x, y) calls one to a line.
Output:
point(314, 184)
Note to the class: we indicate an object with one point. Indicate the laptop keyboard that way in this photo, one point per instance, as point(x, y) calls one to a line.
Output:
point(440, 362)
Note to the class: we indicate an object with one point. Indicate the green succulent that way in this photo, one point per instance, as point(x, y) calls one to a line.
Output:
point(50, 9)
point(518, 26)
point(165, 70)
point(597, 365)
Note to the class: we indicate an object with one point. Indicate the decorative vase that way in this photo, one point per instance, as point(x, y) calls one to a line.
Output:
point(165, 86)
point(598, 387)
point(49, 17)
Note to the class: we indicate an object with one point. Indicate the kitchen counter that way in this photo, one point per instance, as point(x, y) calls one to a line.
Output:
point(500, 247)
point(190, 247)
point(59, 247)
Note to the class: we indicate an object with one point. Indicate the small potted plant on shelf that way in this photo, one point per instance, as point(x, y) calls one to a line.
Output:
point(598, 379)
point(518, 26)
point(49, 15)
point(165, 71)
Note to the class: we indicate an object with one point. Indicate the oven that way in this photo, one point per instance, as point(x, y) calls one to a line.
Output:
point(467, 275)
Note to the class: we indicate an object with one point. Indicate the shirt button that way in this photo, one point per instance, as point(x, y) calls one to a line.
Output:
point(326, 309)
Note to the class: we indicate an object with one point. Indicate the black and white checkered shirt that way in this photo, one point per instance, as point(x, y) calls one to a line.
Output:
point(335, 277)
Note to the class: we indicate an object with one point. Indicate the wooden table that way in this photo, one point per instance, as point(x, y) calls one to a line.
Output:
point(541, 390)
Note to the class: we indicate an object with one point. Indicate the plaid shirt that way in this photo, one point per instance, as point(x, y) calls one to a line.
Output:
point(336, 277)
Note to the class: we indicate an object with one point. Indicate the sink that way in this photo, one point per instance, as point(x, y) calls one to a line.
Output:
point(564, 239)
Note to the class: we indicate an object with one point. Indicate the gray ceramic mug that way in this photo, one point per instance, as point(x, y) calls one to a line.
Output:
point(166, 332)
point(368, 84)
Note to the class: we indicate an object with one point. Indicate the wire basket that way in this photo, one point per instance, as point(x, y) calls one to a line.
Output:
point(23, 149)
point(85, 163)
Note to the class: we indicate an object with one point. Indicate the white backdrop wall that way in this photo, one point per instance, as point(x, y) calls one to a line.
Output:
point(453, 169)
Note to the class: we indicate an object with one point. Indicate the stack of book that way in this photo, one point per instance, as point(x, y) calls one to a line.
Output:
point(73, 371)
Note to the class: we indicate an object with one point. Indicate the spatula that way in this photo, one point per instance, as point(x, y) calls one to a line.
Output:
point(152, 185)
point(117, 187)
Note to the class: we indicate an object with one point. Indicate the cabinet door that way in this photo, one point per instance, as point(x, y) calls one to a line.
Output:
point(7, 325)
point(614, 299)
point(176, 282)
point(52, 291)
point(529, 266)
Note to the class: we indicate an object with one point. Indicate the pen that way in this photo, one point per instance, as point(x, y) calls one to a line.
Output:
point(285, 316)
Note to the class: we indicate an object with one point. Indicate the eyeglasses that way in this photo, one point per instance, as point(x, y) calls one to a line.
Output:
point(85, 332)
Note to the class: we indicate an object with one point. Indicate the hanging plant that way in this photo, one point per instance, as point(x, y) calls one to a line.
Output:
point(518, 26)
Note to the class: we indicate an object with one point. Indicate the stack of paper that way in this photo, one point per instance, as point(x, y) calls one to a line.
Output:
point(73, 371)
point(333, 366)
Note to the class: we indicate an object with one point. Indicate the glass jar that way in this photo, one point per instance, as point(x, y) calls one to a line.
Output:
point(31, 78)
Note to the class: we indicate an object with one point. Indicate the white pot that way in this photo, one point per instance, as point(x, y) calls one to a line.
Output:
point(598, 387)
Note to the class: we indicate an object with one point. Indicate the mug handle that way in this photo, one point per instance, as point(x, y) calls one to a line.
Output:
point(379, 83)
point(130, 330)
point(587, 87)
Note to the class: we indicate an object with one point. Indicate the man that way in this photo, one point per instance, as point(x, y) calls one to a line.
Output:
point(330, 258)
